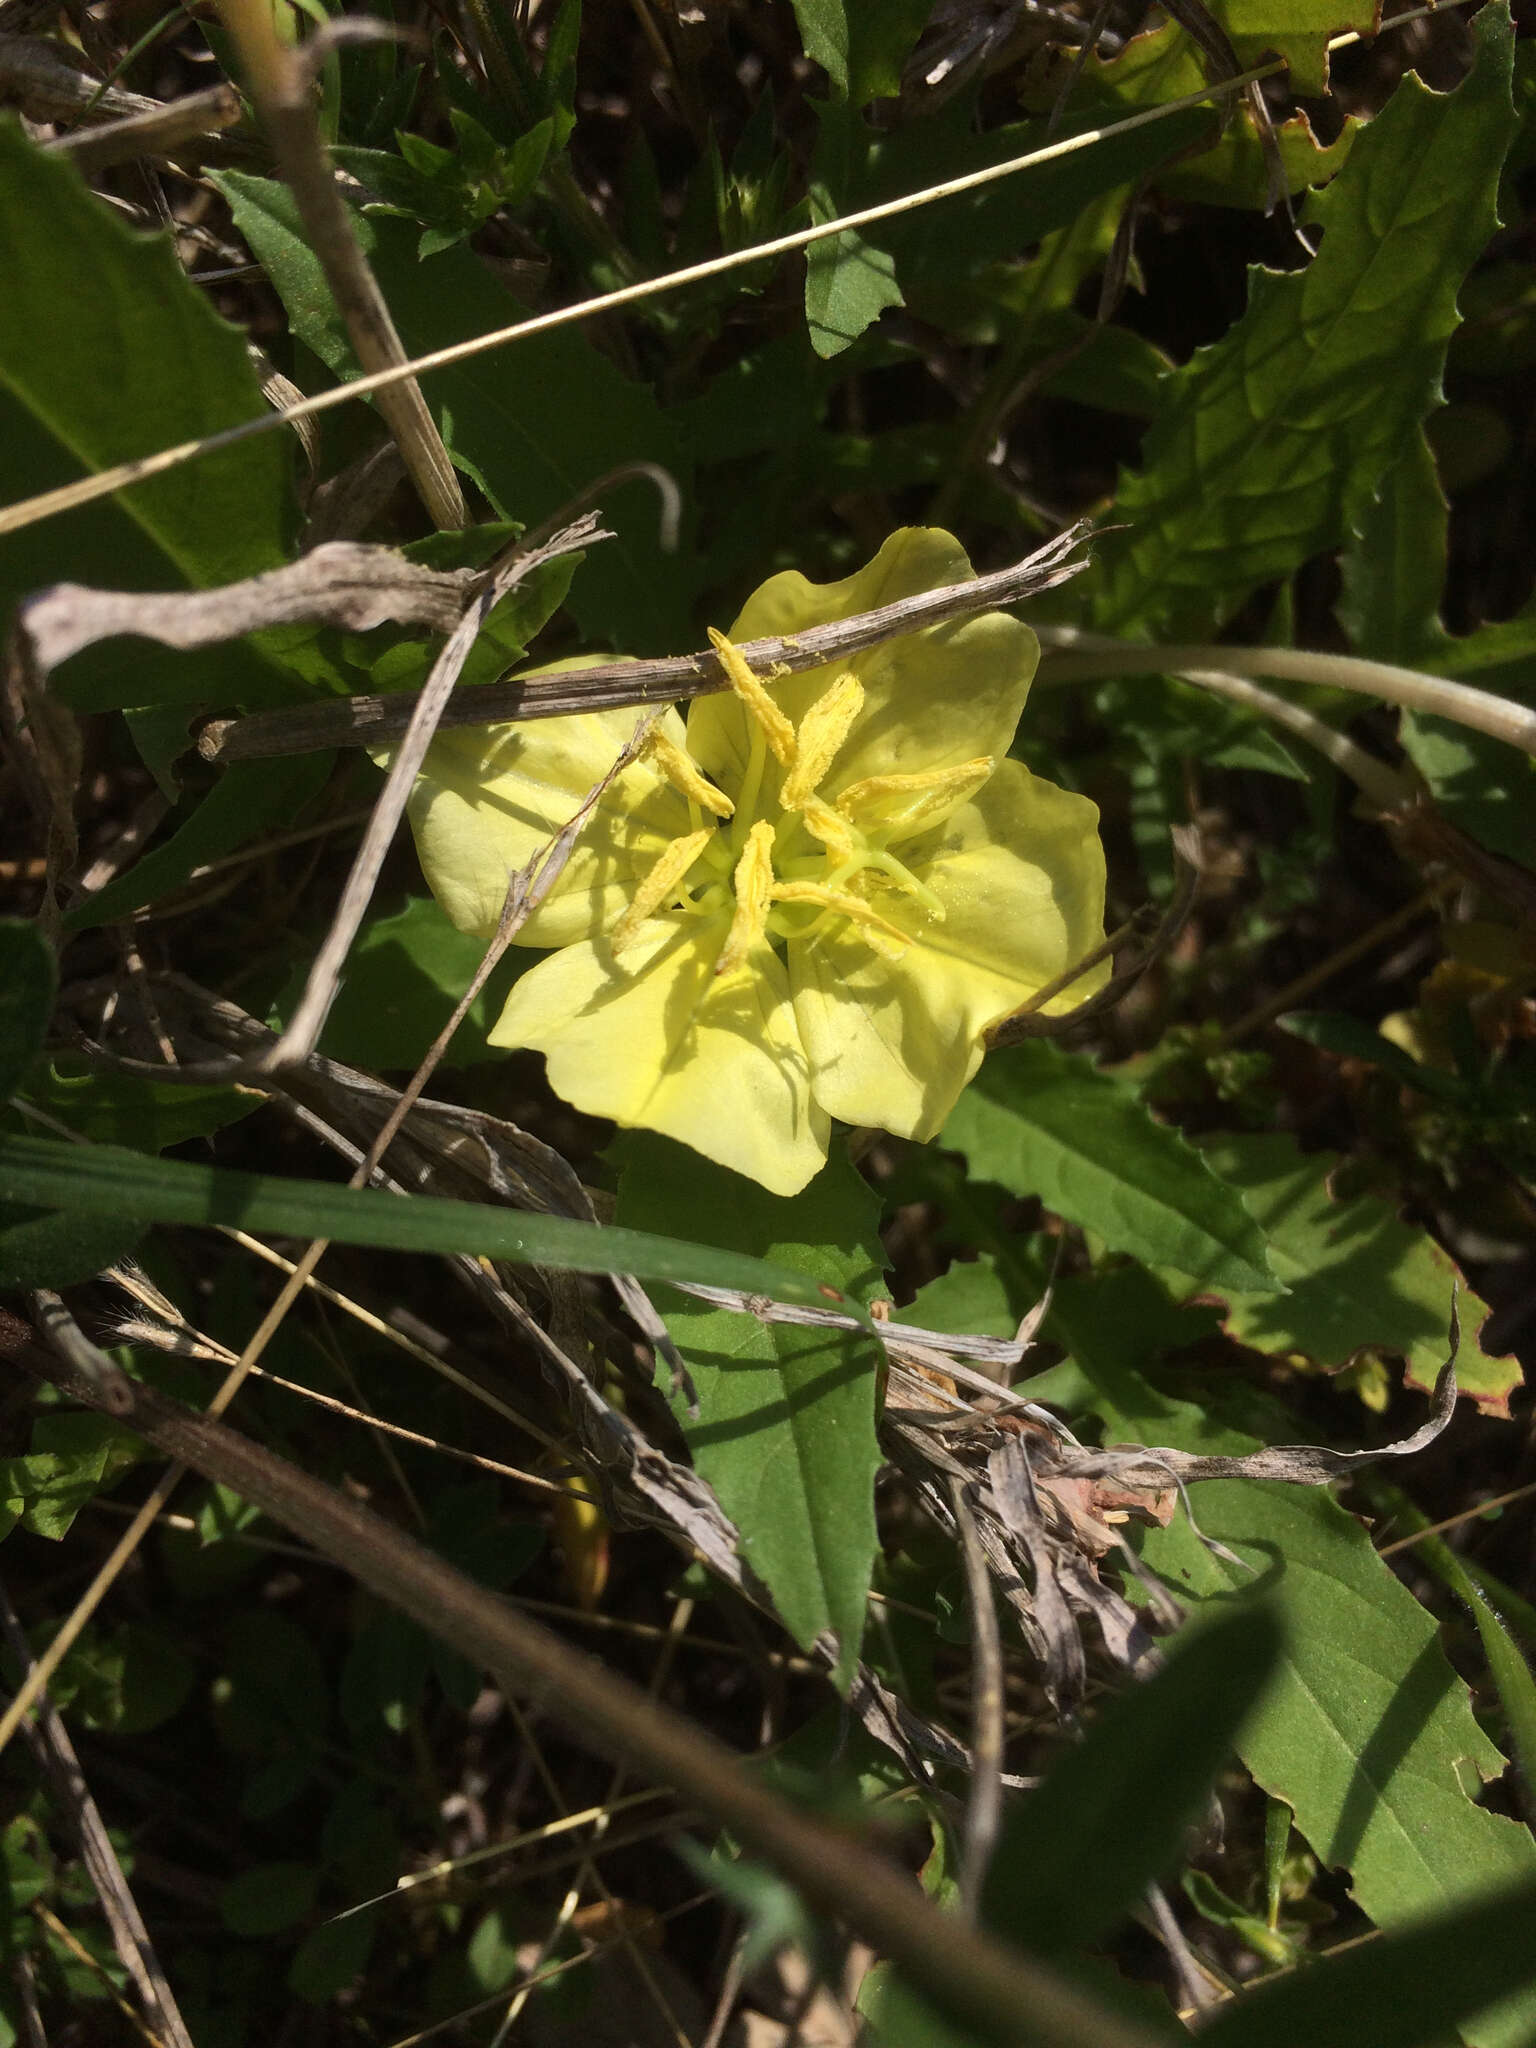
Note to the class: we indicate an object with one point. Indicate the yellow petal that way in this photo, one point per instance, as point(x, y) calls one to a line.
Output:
point(656, 1038)
point(934, 699)
point(1019, 872)
point(489, 797)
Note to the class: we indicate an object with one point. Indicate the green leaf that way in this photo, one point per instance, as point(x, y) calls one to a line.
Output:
point(1393, 568)
point(785, 1432)
point(1394, 572)
point(72, 1458)
point(139, 1677)
point(1506, 1663)
point(1274, 441)
point(133, 1109)
point(1404, 1991)
point(1366, 1732)
point(1358, 1276)
point(848, 284)
point(1297, 30)
point(1048, 1123)
point(27, 979)
point(40, 1247)
point(404, 976)
point(534, 424)
point(825, 37)
point(268, 1898)
point(215, 519)
point(1079, 1852)
point(331, 1956)
point(248, 797)
point(103, 1180)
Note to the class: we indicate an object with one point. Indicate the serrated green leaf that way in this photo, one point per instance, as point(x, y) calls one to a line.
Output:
point(104, 1181)
point(1297, 30)
point(535, 424)
point(1366, 1732)
point(27, 978)
point(785, 1432)
point(1274, 441)
point(1358, 1276)
point(848, 285)
point(1164, 63)
point(1405, 1991)
point(1506, 1662)
point(1048, 1123)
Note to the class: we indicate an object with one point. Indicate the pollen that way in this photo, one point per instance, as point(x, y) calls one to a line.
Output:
point(775, 727)
point(822, 731)
point(661, 884)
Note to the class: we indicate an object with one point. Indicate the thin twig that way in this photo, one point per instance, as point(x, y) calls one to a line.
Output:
point(364, 721)
point(1077, 656)
point(984, 1797)
point(304, 1026)
point(158, 133)
point(280, 85)
point(78, 1810)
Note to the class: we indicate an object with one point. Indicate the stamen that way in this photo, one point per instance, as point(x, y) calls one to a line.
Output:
point(832, 829)
point(854, 908)
point(776, 728)
point(754, 892)
point(660, 885)
point(934, 788)
point(685, 774)
point(822, 731)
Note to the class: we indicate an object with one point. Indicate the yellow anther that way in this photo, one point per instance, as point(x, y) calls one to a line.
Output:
point(830, 827)
point(933, 789)
point(874, 927)
point(776, 728)
point(661, 884)
point(753, 883)
point(685, 774)
point(822, 731)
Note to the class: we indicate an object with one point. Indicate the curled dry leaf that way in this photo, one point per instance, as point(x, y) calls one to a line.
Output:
point(344, 583)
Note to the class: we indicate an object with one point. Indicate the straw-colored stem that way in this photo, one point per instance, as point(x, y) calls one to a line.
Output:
point(279, 85)
point(1075, 656)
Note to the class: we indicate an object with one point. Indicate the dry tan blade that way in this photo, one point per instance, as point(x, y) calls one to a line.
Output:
point(303, 1028)
point(344, 583)
point(280, 83)
point(377, 721)
point(161, 131)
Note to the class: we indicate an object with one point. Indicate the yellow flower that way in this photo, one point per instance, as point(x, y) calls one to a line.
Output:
point(810, 902)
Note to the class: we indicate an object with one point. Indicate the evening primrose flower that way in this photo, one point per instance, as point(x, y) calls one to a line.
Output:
point(809, 902)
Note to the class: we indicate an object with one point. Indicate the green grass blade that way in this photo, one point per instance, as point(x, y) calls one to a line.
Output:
point(105, 1180)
